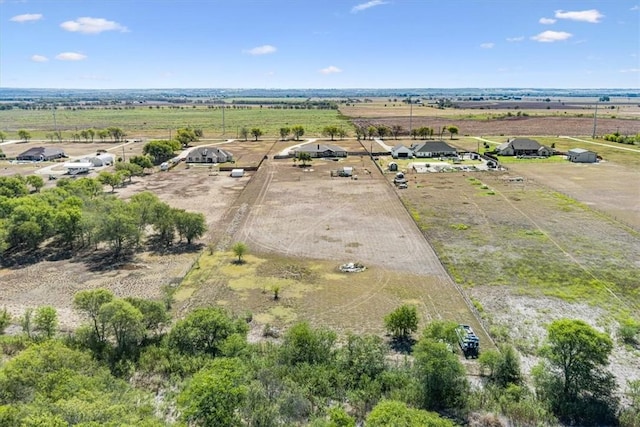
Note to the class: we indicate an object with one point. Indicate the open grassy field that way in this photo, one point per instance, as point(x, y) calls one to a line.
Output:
point(159, 121)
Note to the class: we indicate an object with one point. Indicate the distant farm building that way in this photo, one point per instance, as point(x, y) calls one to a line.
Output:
point(400, 151)
point(40, 154)
point(209, 155)
point(580, 155)
point(321, 150)
point(100, 159)
point(522, 147)
point(433, 149)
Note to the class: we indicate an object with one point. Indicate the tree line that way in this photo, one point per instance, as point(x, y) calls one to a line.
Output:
point(209, 374)
point(77, 214)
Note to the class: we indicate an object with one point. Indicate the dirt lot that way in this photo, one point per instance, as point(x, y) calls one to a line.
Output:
point(605, 186)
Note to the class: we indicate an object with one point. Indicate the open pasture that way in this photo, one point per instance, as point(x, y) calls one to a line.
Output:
point(161, 121)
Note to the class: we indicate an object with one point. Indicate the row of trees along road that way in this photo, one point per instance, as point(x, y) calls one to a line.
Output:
point(77, 214)
point(207, 374)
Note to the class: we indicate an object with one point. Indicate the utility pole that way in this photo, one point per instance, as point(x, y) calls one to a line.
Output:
point(595, 121)
point(223, 108)
point(410, 114)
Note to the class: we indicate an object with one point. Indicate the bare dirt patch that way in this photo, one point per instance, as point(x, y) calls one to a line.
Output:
point(301, 220)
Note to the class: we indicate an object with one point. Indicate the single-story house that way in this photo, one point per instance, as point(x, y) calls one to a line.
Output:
point(522, 147)
point(321, 150)
point(101, 159)
point(433, 149)
point(580, 155)
point(40, 154)
point(400, 151)
point(209, 155)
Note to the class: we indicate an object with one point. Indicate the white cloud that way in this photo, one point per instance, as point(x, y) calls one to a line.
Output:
point(515, 39)
point(27, 17)
point(70, 56)
point(331, 69)
point(39, 58)
point(88, 25)
point(367, 5)
point(636, 7)
point(487, 45)
point(591, 15)
point(547, 21)
point(551, 36)
point(261, 50)
point(630, 70)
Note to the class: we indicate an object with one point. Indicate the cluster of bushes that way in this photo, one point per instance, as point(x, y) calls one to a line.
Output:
point(78, 214)
point(207, 373)
point(621, 139)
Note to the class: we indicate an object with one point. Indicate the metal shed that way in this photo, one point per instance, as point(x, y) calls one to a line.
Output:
point(580, 155)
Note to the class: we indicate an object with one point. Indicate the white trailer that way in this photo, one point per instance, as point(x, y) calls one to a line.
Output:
point(237, 173)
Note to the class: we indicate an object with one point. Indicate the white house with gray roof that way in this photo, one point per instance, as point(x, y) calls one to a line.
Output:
point(209, 155)
point(321, 150)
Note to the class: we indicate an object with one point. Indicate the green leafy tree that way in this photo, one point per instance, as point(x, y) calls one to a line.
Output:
point(402, 322)
point(24, 135)
point(161, 150)
point(89, 303)
point(298, 131)
point(330, 131)
point(116, 133)
point(46, 321)
point(129, 170)
point(239, 249)
point(143, 161)
point(256, 133)
point(303, 344)
point(304, 158)
point(441, 376)
point(13, 186)
point(573, 378)
point(186, 136)
point(398, 414)
point(111, 179)
point(35, 181)
point(190, 225)
point(284, 132)
point(124, 322)
point(362, 358)
point(143, 205)
point(3, 136)
point(383, 131)
point(164, 223)
point(154, 314)
point(204, 332)
point(244, 133)
point(453, 130)
point(214, 395)
point(118, 225)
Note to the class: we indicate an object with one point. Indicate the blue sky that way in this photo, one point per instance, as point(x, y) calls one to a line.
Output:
point(119, 44)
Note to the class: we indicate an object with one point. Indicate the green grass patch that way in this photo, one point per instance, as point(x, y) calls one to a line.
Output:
point(459, 226)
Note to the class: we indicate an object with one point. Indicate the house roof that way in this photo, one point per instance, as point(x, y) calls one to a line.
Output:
point(524, 144)
point(579, 151)
point(204, 151)
point(400, 147)
point(42, 151)
point(318, 148)
point(432, 147)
